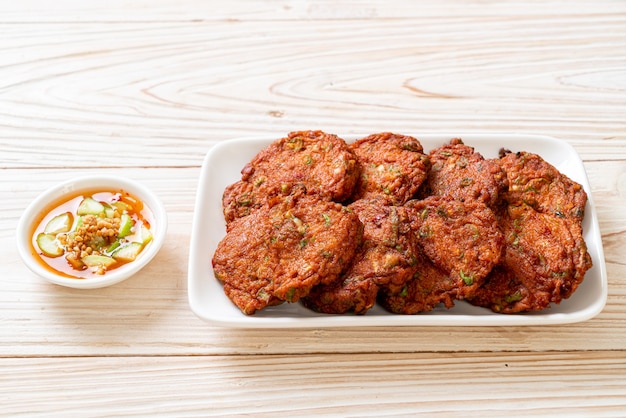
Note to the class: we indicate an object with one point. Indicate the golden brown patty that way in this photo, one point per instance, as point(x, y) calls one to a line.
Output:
point(546, 256)
point(314, 161)
point(537, 183)
point(461, 238)
point(463, 174)
point(540, 266)
point(392, 167)
point(429, 287)
point(387, 257)
point(278, 253)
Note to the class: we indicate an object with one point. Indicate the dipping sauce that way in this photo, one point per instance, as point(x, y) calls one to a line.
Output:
point(92, 232)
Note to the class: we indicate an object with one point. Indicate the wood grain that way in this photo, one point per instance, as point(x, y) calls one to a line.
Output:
point(372, 385)
point(145, 89)
point(209, 80)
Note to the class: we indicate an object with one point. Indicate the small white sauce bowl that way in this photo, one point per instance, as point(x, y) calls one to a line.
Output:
point(43, 203)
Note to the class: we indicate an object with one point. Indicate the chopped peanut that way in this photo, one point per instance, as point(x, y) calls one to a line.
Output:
point(91, 238)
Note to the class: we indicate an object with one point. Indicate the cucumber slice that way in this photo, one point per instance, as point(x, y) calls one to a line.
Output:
point(109, 211)
point(98, 242)
point(90, 206)
point(60, 223)
point(48, 245)
point(145, 235)
point(128, 252)
point(126, 224)
point(98, 261)
point(121, 206)
point(114, 246)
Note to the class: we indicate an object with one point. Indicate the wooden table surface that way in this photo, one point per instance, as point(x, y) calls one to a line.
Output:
point(146, 89)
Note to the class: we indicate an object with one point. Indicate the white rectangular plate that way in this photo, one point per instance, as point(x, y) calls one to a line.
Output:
point(222, 166)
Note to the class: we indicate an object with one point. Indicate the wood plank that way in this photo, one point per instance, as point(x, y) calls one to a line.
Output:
point(457, 385)
point(169, 91)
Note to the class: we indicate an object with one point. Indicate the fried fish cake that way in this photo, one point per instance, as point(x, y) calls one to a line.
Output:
point(428, 288)
point(318, 162)
point(350, 294)
point(393, 167)
point(546, 256)
point(464, 174)
point(461, 238)
point(280, 251)
point(537, 183)
point(239, 199)
point(545, 261)
point(387, 258)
